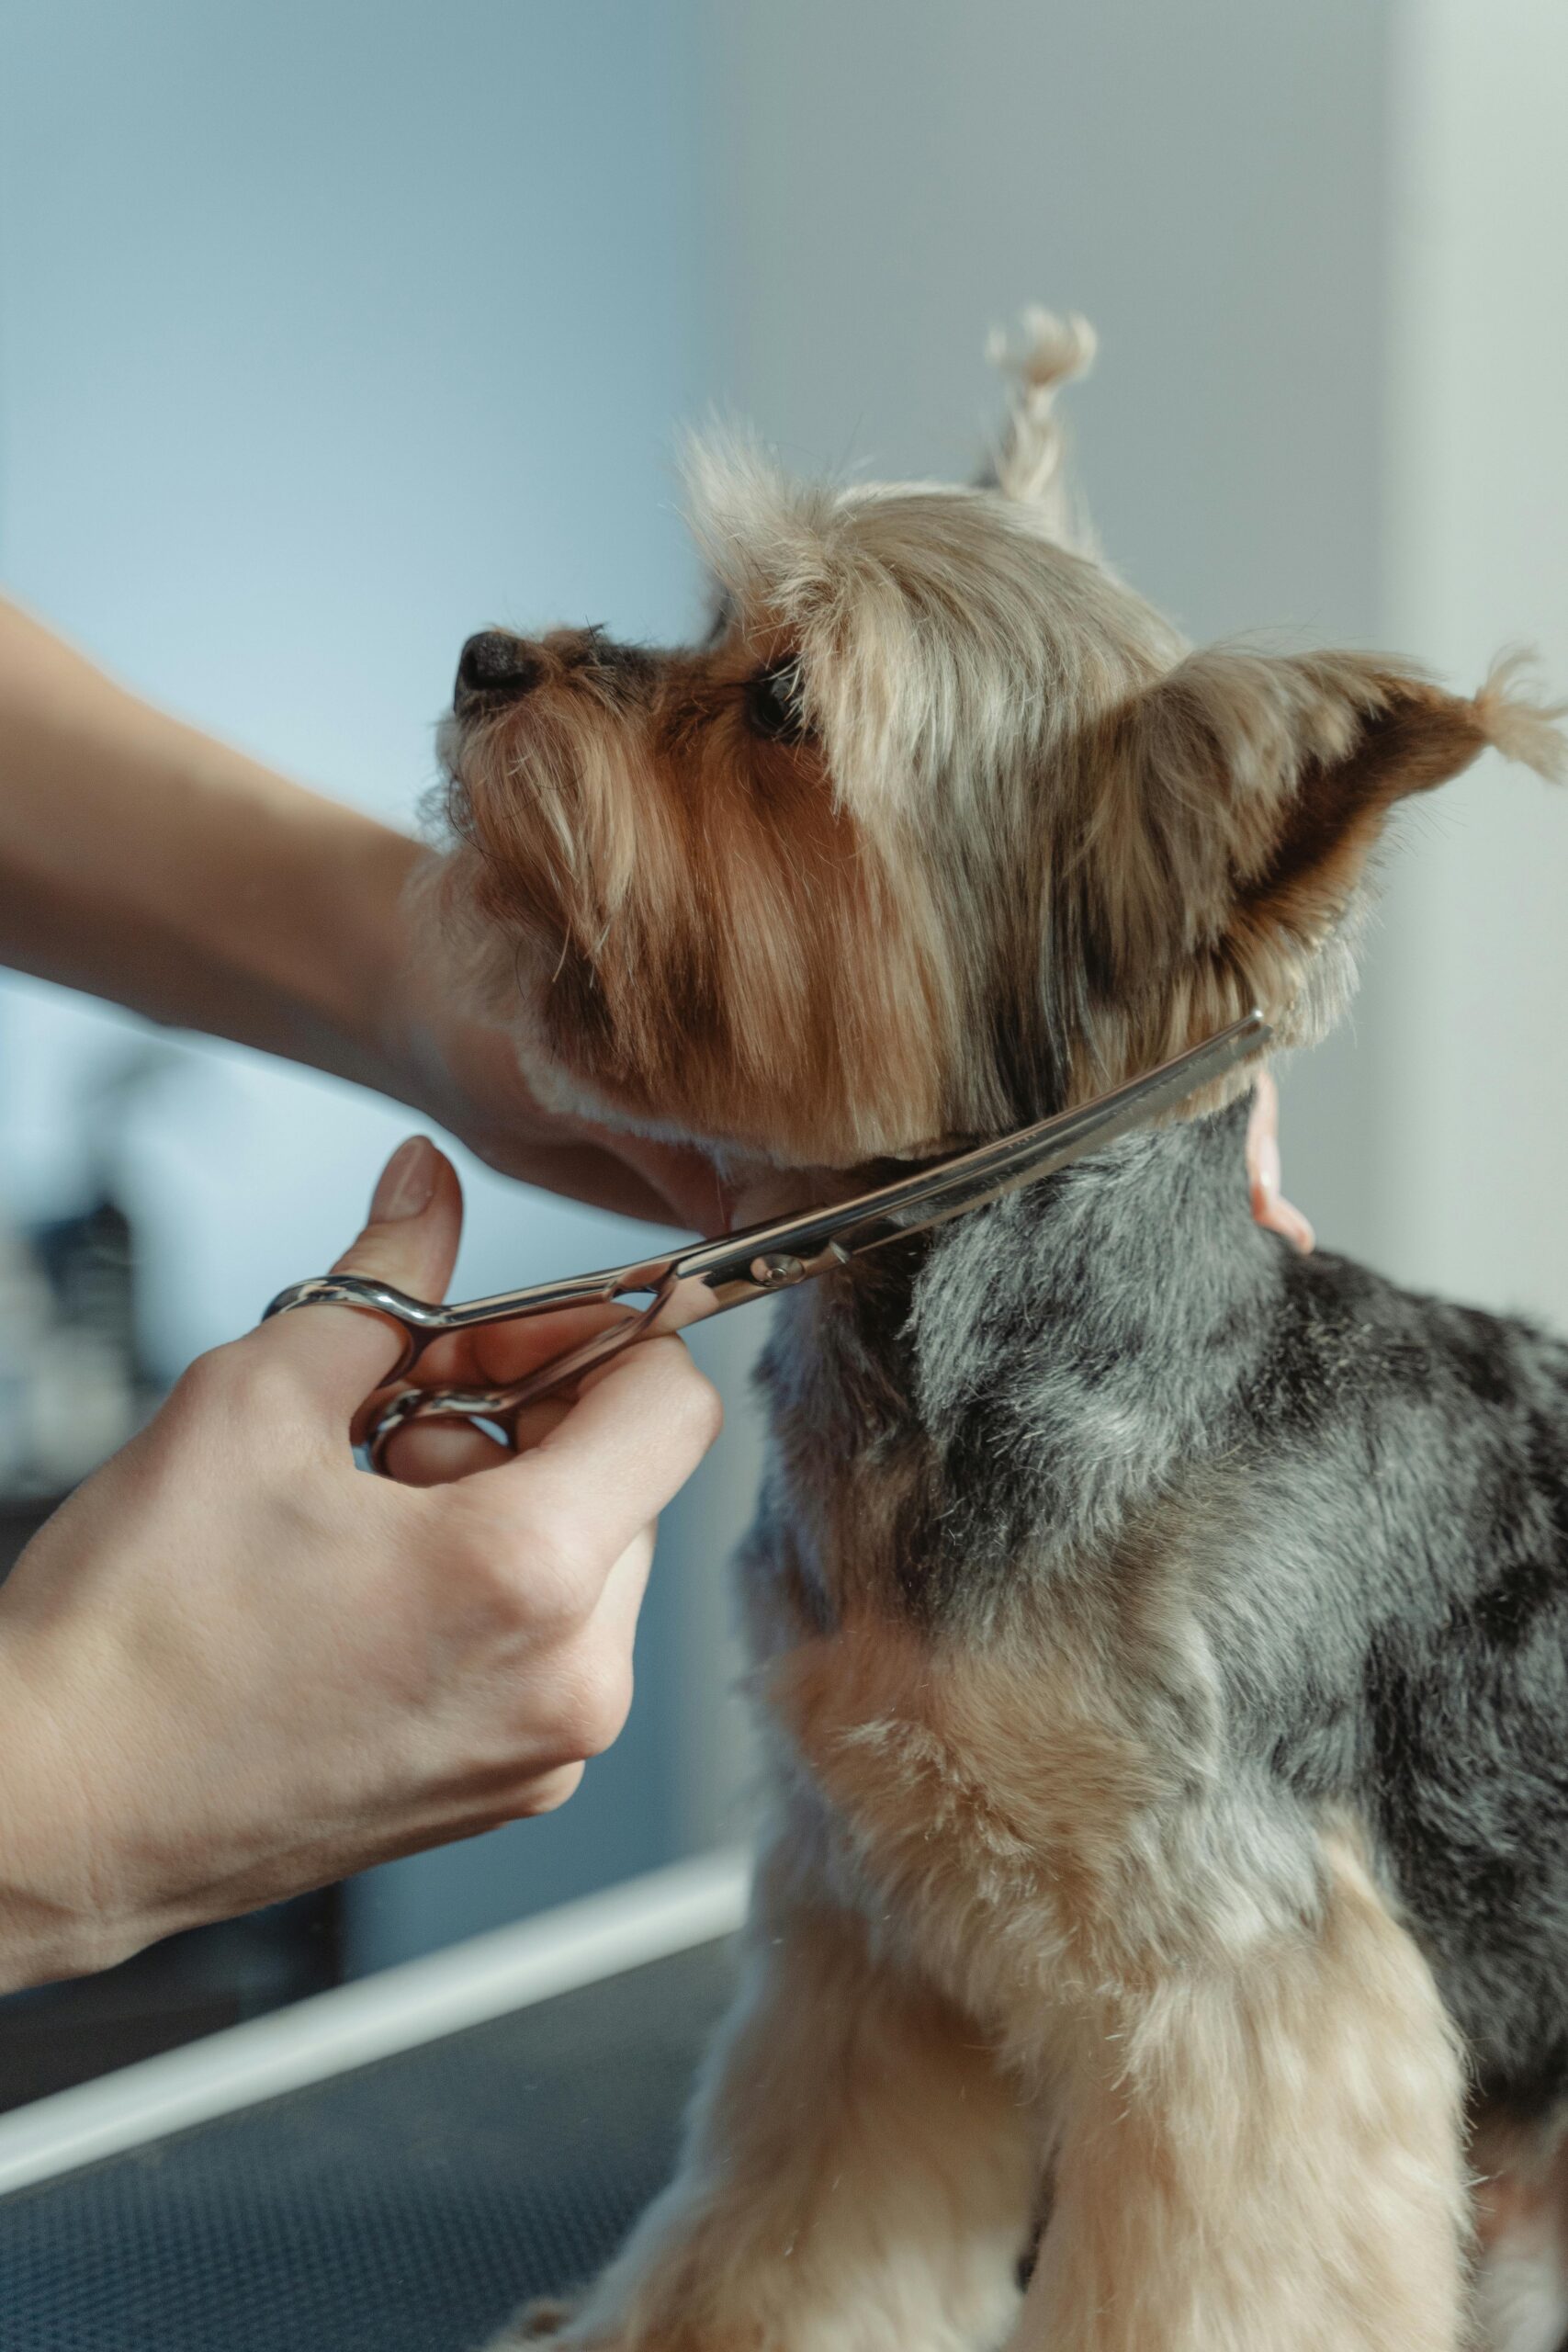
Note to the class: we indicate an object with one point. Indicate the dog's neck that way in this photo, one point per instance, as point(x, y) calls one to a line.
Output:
point(1145, 1245)
point(1044, 1367)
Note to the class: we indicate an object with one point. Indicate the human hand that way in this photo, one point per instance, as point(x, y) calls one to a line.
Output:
point(465, 1073)
point(1270, 1207)
point(234, 1668)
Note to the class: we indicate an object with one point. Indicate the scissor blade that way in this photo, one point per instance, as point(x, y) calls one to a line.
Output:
point(741, 1266)
point(977, 1178)
point(715, 1275)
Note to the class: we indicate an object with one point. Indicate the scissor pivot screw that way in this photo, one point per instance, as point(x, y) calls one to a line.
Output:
point(776, 1269)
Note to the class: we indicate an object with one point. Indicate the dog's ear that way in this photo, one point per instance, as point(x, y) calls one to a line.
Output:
point(1030, 462)
point(1230, 827)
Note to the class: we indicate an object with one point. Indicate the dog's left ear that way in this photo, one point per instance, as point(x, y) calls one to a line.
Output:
point(1233, 819)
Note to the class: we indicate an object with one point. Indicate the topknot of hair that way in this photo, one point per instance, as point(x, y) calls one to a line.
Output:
point(1046, 352)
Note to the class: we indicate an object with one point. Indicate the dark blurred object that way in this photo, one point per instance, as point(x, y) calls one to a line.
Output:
point(19, 1522)
point(73, 1387)
point(89, 1262)
point(73, 1383)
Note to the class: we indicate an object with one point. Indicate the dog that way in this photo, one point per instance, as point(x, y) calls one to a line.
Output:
point(1160, 1935)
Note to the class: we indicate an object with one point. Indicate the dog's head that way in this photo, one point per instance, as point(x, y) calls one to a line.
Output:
point(941, 828)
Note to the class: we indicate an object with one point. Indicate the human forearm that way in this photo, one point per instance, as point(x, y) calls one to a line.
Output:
point(142, 861)
point(145, 863)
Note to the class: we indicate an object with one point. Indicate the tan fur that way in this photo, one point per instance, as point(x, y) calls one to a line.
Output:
point(713, 931)
point(1254, 2141)
point(1265, 2159)
point(1255, 2119)
point(991, 1800)
point(1228, 816)
point(858, 2175)
point(1032, 460)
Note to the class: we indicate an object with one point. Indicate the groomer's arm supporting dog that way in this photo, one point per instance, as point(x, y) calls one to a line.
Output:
point(1162, 1638)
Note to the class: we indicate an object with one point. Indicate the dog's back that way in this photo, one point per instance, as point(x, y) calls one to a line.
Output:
point(1448, 1556)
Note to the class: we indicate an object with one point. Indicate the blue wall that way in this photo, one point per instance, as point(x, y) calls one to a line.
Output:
point(326, 334)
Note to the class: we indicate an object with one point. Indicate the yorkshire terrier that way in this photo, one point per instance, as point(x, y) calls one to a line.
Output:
point(1160, 1937)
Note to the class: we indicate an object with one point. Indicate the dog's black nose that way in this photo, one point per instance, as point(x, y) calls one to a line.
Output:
point(494, 664)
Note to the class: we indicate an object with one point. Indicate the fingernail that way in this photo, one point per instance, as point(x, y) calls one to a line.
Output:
point(407, 1182)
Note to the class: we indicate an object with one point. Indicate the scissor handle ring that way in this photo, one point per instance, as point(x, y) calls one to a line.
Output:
point(501, 1405)
point(409, 1404)
point(366, 1298)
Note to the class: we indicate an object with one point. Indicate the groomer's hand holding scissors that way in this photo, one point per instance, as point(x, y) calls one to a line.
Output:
point(232, 1667)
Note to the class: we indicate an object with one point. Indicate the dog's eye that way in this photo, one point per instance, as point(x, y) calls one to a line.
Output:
point(774, 708)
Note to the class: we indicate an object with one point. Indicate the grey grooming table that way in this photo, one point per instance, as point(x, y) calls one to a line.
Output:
point(402, 2205)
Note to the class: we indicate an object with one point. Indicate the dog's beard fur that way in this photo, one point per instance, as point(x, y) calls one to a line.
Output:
point(1021, 843)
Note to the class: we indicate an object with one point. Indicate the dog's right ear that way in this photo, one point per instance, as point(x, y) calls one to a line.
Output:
point(1234, 810)
point(1030, 463)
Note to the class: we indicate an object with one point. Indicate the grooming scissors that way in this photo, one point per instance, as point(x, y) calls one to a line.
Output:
point(684, 1286)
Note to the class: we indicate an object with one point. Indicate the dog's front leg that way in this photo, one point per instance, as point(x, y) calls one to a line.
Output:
point(1264, 2159)
point(857, 2177)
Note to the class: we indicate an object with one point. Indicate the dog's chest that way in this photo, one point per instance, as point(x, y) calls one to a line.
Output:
point(979, 1811)
point(1026, 1821)
point(1013, 1744)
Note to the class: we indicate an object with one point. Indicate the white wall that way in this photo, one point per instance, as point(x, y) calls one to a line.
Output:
point(1473, 1136)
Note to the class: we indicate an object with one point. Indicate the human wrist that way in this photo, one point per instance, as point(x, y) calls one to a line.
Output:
point(369, 981)
point(54, 1919)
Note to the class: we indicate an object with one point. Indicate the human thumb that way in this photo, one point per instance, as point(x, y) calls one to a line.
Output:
point(409, 1241)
